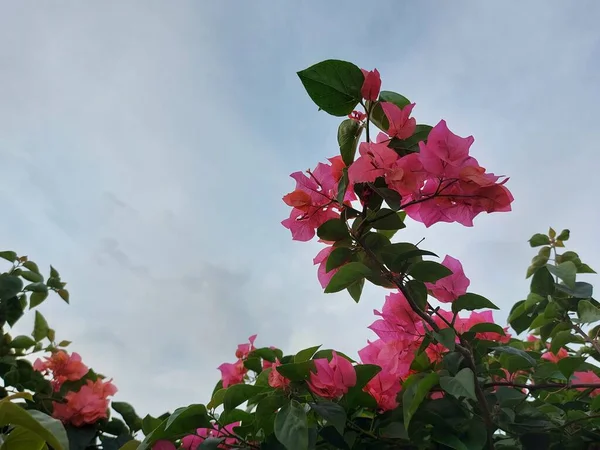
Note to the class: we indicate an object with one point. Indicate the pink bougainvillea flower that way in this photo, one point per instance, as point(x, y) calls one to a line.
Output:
point(232, 373)
point(587, 377)
point(332, 378)
point(314, 201)
point(276, 380)
point(321, 259)
point(357, 116)
point(532, 338)
point(449, 288)
point(371, 85)
point(375, 160)
point(394, 357)
point(555, 357)
point(244, 349)
point(384, 388)
point(402, 126)
point(193, 441)
point(164, 445)
point(226, 432)
point(62, 367)
point(86, 406)
point(398, 321)
point(484, 317)
point(444, 153)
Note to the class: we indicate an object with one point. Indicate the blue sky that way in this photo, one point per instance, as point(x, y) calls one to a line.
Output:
point(146, 147)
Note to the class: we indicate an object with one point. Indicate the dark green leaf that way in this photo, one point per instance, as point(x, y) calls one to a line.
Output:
point(386, 219)
point(129, 415)
point(538, 240)
point(471, 302)
point(584, 268)
point(306, 354)
point(9, 286)
point(40, 327)
point(517, 352)
point(461, 385)
point(116, 427)
point(42, 425)
point(348, 135)
point(564, 235)
point(22, 342)
point(36, 298)
point(333, 230)
point(346, 276)
point(561, 339)
point(239, 393)
point(582, 289)
point(418, 292)
point(355, 290)
point(565, 271)
point(291, 426)
point(429, 271)
point(587, 312)
point(415, 390)
point(338, 257)
point(487, 328)
point(295, 371)
point(542, 282)
point(448, 440)
point(392, 198)
point(36, 287)
point(64, 294)
point(211, 443)
point(149, 424)
point(32, 276)
point(509, 397)
point(446, 337)
point(569, 365)
point(342, 187)
point(333, 85)
point(235, 415)
point(9, 256)
point(333, 413)
point(254, 364)
point(365, 373)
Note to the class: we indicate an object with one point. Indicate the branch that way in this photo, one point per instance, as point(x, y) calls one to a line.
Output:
point(551, 385)
point(594, 343)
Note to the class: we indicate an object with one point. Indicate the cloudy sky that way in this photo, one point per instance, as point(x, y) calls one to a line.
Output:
point(145, 147)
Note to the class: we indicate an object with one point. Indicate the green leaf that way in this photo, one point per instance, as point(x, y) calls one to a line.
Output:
point(392, 198)
point(133, 421)
point(239, 393)
point(9, 286)
point(448, 440)
point(564, 235)
point(565, 271)
point(333, 230)
point(211, 443)
point(37, 298)
point(461, 385)
point(387, 219)
point(365, 373)
point(397, 256)
point(333, 413)
point(116, 427)
point(234, 415)
point(542, 282)
point(291, 426)
point(149, 424)
point(429, 271)
point(217, 398)
point(254, 364)
point(23, 342)
point(64, 294)
point(295, 371)
point(32, 276)
point(517, 352)
point(346, 276)
point(333, 85)
point(471, 302)
point(355, 290)
point(538, 240)
point(581, 290)
point(31, 266)
point(569, 365)
point(342, 187)
point(188, 417)
point(415, 391)
point(64, 343)
point(40, 327)
point(338, 257)
point(22, 439)
point(36, 287)
point(9, 256)
point(265, 353)
point(47, 428)
point(561, 339)
point(418, 292)
point(587, 312)
point(348, 135)
point(446, 337)
point(306, 354)
point(487, 328)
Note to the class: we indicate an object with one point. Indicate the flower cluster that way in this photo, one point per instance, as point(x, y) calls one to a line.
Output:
point(193, 441)
point(234, 373)
point(85, 405)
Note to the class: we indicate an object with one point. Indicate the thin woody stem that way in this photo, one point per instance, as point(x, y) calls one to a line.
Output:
point(593, 342)
point(535, 387)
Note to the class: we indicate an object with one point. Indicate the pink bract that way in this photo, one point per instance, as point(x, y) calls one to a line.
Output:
point(371, 85)
point(86, 406)
point(332, 379)
point(402, 126)
point(232, 373)
point(449, 288)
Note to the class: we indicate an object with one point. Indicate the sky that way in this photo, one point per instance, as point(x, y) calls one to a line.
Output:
point(145, 147)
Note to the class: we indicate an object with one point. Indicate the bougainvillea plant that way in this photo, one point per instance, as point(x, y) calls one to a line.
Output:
point(439, 373)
